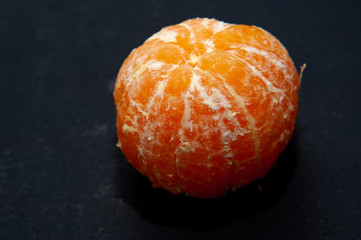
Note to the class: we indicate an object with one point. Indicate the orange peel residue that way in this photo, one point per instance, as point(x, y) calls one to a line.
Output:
point(205, 106)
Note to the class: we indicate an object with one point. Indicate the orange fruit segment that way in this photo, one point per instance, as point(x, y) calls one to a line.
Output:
point(204, 106)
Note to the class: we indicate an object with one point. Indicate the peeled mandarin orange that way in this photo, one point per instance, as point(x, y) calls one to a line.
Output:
point(205, 106)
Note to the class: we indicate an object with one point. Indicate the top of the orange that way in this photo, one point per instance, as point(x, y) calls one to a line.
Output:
point(205, 106)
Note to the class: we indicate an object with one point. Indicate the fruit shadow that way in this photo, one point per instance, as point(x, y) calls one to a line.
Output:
point(160, 207)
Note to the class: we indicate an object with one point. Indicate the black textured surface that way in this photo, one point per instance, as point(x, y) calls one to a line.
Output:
point(61, 176)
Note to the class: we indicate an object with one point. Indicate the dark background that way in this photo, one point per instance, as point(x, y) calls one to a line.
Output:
point(61, 176)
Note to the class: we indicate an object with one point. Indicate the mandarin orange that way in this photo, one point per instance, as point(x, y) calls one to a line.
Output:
point(205, 106)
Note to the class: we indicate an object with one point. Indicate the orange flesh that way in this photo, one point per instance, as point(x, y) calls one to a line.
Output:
point(205, 106)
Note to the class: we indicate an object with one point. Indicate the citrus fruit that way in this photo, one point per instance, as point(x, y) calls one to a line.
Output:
point(206, 106)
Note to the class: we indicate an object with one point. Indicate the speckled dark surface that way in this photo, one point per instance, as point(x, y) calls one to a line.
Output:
point(61, 176)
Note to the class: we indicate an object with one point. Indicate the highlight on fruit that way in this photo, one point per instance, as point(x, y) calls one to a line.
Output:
point(204, 106)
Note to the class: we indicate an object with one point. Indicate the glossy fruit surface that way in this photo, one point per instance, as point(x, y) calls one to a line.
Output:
point(205, 106)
